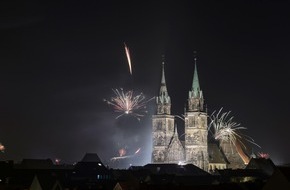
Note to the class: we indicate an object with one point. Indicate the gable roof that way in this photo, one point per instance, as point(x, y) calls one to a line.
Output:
point(215, 155)
point(91, 157)
point(277, 181)
point(44, 182)
point(261, 163)
point(90, 164)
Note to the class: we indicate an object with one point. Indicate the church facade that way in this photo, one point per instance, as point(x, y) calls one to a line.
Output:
point(194, 149)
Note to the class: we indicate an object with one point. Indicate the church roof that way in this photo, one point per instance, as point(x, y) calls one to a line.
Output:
point(215, 155)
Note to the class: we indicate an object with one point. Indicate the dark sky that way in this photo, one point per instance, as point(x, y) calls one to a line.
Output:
point(59, 61)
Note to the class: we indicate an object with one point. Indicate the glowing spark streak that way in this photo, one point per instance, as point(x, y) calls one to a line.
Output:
point(242, 154)
point(120, 157)
point(123, 157)
point(128, 58)
point(127, 103)
point(137, 151)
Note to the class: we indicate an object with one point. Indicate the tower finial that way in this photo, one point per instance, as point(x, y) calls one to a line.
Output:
point(195, 56)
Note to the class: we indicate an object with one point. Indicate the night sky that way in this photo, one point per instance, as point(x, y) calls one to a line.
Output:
point(59, 61)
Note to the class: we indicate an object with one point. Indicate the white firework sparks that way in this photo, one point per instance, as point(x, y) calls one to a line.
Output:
point(128, 103)
point(225, 129)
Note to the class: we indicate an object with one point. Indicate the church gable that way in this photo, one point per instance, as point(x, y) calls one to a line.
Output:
point(175, 150)
point(232, 156)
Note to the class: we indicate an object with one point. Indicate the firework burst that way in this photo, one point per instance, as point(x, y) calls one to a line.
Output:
point(263, 155)
point(2, 147)
point(226, 130)
point(122, 152)
point(127, 103)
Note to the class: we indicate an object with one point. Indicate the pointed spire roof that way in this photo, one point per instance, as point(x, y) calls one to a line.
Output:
point(195, 96)
point(195, 82)
point(91, 157)
point(163, 88)
point(163, 100)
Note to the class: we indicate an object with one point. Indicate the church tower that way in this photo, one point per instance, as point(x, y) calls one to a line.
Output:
point(162, 124)
point(196, 144)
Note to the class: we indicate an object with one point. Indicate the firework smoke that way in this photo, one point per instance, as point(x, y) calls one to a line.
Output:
point(128, 57)
point(128, 103)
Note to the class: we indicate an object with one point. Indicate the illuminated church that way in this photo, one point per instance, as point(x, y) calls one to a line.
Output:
point(195, 148)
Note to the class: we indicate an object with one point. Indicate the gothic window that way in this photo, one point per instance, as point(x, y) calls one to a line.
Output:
point(159, 126)
point(190, 122)
point(167, 110)
point(188, 139)
point(197, 103)
point(200, 159)
point(155, 156)
point(196, 137)
point(160, 139)
point(160, 156)
point(170, 126)
point(202, 122)
point(198, 122)
point(160, 109)
point(202, 138)
point(194, 157)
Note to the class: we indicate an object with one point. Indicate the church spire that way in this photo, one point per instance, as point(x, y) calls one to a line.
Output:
point(195, 82)
point(163, 100)
point(163, 88)
point(195, 98)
